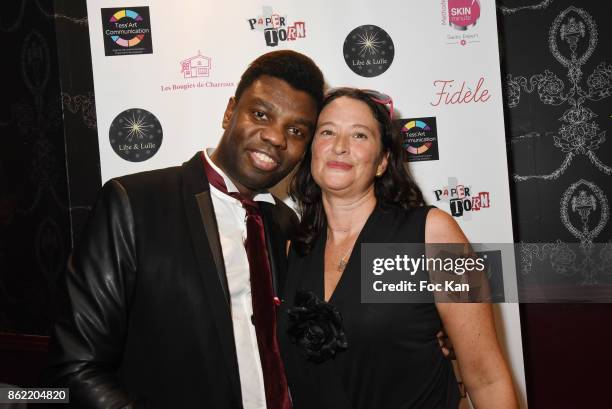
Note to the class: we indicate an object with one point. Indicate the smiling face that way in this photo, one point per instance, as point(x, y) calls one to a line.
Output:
point(347, 151)
point(266, 133)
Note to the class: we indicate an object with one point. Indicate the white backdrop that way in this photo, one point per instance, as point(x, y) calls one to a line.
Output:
point(428, 53)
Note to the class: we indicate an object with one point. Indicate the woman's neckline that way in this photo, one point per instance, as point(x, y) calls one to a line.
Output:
point(366, 227)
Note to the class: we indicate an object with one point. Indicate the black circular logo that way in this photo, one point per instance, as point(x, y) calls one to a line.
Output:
point(135, 135)
point(368, 50)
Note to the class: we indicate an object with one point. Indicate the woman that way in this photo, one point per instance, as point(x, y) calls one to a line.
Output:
point(352, 188)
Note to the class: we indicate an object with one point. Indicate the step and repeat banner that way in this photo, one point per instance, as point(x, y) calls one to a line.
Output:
point(164, 71)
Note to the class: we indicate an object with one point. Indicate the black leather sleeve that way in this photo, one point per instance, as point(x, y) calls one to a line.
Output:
point(87, 342)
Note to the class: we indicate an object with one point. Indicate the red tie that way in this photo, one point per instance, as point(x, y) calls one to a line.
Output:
point(262, 295)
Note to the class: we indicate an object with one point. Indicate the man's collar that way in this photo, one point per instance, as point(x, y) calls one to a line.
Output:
point(231, 187)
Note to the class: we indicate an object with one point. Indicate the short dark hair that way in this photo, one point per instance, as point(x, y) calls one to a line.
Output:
point(296, 69)
point(395, 186)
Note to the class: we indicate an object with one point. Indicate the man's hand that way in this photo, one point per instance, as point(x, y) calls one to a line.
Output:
point(446, 345)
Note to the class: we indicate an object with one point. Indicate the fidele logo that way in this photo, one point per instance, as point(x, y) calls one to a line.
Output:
point(127, 31)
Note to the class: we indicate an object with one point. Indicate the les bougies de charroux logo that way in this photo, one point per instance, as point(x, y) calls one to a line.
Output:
point(461, 16)
point(198, 66)
point(277, 28)
point(368, 50)
point(135, 135)
point(420, 139)
point(462, 199)
point(127, 31)
point(196, 70)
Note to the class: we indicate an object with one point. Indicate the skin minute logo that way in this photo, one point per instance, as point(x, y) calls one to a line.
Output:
point(461, 17)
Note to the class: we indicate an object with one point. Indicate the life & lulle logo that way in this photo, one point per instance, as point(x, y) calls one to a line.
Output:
point(460, 17)
point(126, 31)
point(368, 50)
point(276, 28)
point(462, 199)
point(420, 139)
point(135, 135)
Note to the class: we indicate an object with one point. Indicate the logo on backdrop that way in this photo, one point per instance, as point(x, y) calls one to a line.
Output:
point(135, 135)
point(462, 16)
point(420, 139)
point(196, 72)
point(462, 199)
point(368, 51)
point(127, 31)
point(449, 92)
point(277, 28)
point(196, 67)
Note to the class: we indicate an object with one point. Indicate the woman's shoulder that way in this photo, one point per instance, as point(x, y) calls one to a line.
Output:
point(432, 224)
point(393, 223)
point(397, 214)
point(441, 227)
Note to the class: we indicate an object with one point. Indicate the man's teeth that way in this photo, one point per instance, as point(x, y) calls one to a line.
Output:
point(263, 157)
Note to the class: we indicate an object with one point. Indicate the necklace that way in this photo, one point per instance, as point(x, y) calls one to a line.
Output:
point(344, 259)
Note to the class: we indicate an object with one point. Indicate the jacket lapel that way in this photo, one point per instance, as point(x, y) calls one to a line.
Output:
point(207, 213)
point(207, 249)
point(275, 245)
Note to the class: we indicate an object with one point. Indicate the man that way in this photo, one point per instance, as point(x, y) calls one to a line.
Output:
point(169, 297)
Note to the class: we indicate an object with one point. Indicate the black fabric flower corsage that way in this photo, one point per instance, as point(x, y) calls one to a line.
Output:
point(315, 326)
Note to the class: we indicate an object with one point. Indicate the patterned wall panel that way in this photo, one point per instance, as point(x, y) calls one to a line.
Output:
point(556, 59)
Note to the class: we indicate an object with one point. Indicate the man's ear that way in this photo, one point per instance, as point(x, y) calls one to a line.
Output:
point(229, 111)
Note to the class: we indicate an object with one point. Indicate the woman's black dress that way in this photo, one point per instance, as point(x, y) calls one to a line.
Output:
point(393, 360)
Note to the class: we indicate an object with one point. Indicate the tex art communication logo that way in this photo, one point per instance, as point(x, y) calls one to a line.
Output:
point(368, 50)
point(420, 139)
point(460, 15)
point(277, 28)
point(127, 31)
point(462, 199)
point(135, 135)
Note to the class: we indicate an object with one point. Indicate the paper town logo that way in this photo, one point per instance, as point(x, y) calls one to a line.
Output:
point(126, 31)
point(420, 139)
point(460, 15)
point(462, 199)
point(276, 28)
point(368, 50)
point(135, 135)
